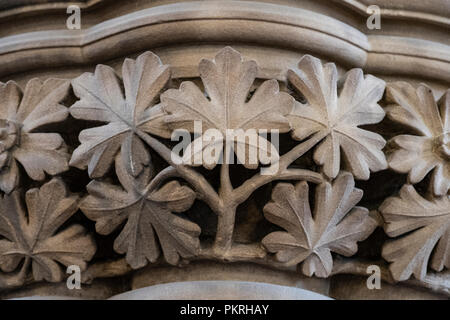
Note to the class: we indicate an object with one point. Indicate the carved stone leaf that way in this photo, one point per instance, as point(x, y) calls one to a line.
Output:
point(228, 80)
point(338, 116)
point(102, 99)
point(20, 115)
point(37, 235)
point(335, 226)
point(430, 149)
point(425, 225)
point(149, 215)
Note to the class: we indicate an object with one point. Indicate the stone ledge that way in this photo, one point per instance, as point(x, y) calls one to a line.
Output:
point(219, 290)
point(264, 24)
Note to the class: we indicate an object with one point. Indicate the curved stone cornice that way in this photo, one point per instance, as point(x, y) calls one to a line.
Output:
point(240, 22)
point(17, 7)
point(436, 13)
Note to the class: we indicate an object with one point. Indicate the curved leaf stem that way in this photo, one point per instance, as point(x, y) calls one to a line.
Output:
point(166, 173)
point(226, 217)
point(234, 197)
point(248, 187)
point(204, 189)
point(226, 200)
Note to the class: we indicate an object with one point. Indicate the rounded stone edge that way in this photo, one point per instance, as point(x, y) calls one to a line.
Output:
point(219, 290)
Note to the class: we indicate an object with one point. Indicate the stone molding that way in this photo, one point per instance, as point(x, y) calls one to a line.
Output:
point(193, 21)
point(436, 12)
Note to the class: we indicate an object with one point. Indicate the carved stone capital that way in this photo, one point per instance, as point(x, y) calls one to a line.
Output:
point(225, 134)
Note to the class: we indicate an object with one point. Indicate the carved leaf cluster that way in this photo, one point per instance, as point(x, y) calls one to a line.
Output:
point(423, 225)
point(335, 226)
point(21, 114)
point(419, 225)
point(125, 112)
point(228, 80)
point(429, 150)
point(338, 116)
point(149, 212)
point(33, 233)
point(147, 207)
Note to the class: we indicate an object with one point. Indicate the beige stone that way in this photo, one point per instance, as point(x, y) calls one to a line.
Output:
point(359, 166)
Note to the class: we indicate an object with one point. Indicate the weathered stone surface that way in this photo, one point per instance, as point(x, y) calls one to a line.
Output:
point(88, 175)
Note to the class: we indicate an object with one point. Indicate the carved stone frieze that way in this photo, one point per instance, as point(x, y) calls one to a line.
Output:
point(149, 205)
